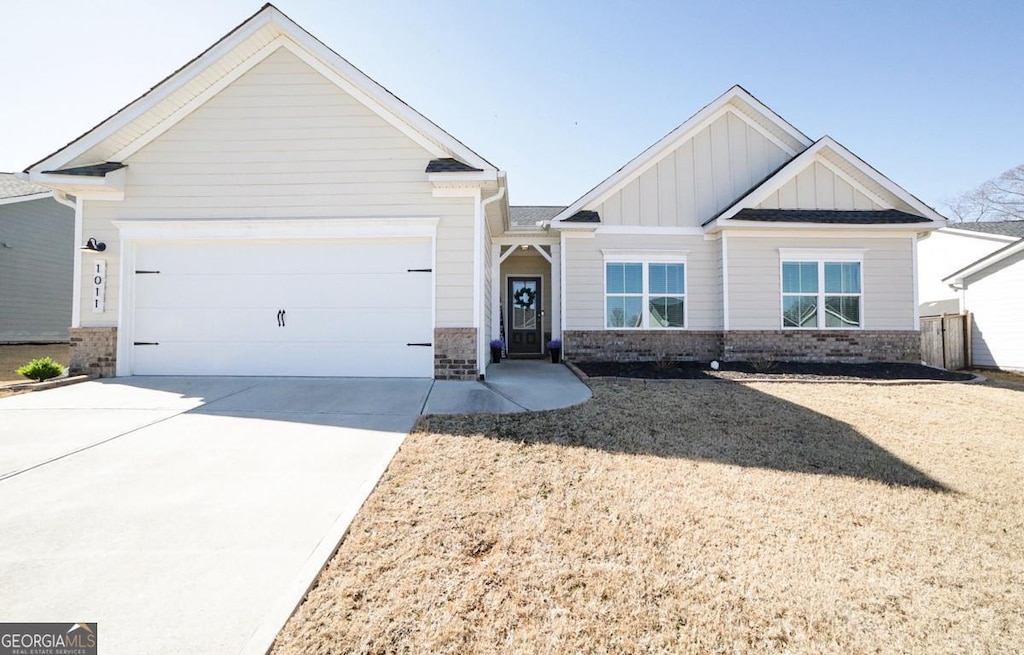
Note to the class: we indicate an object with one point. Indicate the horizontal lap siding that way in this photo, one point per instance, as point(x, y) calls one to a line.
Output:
point(755, 294)
point(700, 177)
point(284, 142)
point(585, 277)
point(997, 303)
point(36, 270)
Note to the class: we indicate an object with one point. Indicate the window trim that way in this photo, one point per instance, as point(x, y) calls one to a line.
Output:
point(645, 258)
point(820, 258)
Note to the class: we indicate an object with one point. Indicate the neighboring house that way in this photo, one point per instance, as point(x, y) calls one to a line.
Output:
point(36, 244)
point(944, 251)
point(981, 265)
point(268, 209)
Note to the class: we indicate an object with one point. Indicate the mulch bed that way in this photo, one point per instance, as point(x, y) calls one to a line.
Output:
point(778, 370)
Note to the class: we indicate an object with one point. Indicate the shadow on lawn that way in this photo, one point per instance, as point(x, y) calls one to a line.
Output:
point(708, 421)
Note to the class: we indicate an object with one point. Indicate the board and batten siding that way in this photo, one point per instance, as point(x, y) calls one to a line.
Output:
point(585, 301)
point(284, 142)
point(994, 297)
point(697, 179)
point(818, 187)
point(755, 286)
point(36, 258)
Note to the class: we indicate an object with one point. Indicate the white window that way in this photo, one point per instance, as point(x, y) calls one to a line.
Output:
point(821, 292)
point(645, 294)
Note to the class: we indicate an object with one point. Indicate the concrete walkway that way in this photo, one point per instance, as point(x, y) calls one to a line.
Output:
point(190, 515)
point(514, 385)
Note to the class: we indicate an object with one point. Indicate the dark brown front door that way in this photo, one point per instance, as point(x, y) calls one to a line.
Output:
point(526, 319)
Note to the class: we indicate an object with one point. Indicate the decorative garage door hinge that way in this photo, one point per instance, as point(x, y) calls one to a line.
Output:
point(420, 344)
point(146, 272)
point(420, 270)
point(145, 343)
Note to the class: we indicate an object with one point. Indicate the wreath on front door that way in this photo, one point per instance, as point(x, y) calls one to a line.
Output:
point(524, 298)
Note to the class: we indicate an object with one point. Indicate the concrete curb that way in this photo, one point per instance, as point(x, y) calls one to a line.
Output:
point(576, 371)
point(47, 384)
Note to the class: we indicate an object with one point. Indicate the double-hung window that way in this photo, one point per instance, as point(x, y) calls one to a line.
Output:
point(642, 293)
point(821, 291)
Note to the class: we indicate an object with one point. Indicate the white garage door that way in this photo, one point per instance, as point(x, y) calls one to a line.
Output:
point(343, 307)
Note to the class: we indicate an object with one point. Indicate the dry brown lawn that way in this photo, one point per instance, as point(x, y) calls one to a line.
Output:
point(14, 357)
point(693, 517)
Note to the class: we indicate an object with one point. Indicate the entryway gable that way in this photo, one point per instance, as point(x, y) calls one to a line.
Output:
point(526, 294)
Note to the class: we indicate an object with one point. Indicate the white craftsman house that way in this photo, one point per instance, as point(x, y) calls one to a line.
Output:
point(269, 209)
point(979, 268)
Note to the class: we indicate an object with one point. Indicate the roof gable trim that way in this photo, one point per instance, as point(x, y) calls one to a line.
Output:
point(10, 200)
point(693, 125)
point(776, 181)
point(305, 46)
point(986, 261)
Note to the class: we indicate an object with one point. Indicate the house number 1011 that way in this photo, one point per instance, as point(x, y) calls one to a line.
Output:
point(99, 285)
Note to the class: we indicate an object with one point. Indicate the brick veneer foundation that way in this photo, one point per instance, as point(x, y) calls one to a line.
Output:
point(639, 346)
point(455, 354)
point(93, 350)
point(782, 345)
point(856, 346)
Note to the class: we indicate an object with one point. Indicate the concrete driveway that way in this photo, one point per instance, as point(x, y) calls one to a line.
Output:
point(186, 515)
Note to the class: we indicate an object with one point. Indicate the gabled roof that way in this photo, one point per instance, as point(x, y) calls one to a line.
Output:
point(532, 215)
point(12, 189)
point(985, 262)
point(738, 98)
point(95, 170)
point(1001, 228)
point(584, 217)
point(841, 159)
point(167, 103)
point(834, 216)
point(450, 165)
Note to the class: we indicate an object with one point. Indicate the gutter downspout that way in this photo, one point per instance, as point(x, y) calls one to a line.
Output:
point(478, 295)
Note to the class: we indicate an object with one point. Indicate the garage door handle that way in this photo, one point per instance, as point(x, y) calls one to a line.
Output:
point(420, 344)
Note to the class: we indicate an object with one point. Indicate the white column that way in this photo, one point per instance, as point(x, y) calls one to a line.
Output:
point(556, 291)
point(495, 291)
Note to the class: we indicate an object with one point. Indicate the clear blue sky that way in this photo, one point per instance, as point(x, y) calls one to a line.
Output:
point(561, 94)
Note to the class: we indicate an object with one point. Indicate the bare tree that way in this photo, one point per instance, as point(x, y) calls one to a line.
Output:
point(999, 199)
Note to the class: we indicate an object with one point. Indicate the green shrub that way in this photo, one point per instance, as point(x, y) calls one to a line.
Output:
point(40, 369)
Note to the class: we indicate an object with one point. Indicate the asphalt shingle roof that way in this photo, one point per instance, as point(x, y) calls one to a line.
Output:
point(12, 187)
point(531, 215)
point(1004, 228)
point(449, 165)
point(92, 170)
point(584, 217)
point(856, 217)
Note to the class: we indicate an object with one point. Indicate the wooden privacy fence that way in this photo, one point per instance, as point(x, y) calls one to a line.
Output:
point(946, 341)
